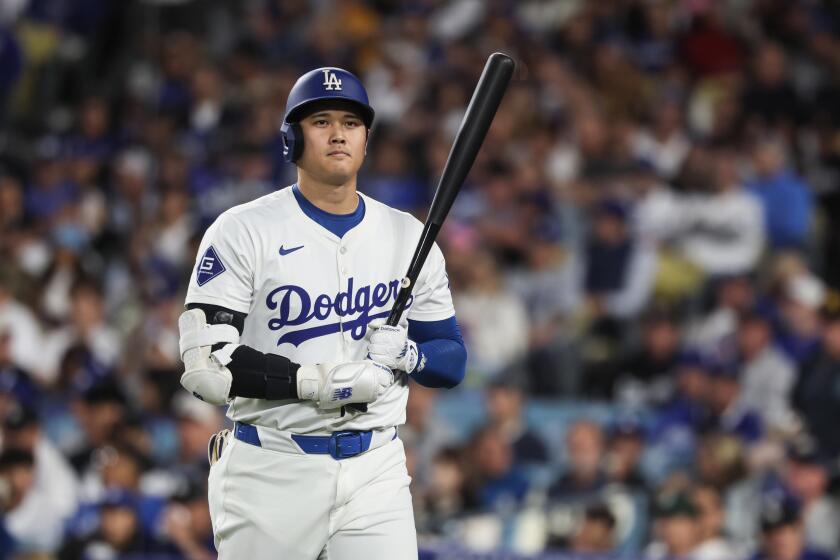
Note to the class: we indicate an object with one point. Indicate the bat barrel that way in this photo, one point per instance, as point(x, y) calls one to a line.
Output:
point(474, 126)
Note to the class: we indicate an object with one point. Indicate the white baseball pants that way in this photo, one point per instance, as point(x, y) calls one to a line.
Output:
point(287, 505)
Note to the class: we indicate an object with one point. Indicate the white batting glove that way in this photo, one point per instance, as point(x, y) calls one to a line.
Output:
point(205, 374)
point(336, 385)
point(390, 346)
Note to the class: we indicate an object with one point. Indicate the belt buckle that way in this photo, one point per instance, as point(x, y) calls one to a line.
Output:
point(345, 444)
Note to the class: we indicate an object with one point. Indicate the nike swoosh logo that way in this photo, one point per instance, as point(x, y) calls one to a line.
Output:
point(284, 252)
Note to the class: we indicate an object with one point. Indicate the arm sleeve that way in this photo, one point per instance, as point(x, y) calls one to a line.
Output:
point(442, 349)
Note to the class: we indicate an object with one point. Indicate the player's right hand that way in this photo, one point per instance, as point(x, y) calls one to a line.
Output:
point(336, 385)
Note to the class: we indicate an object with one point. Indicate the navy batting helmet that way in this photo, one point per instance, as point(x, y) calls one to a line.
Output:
point(320, 85)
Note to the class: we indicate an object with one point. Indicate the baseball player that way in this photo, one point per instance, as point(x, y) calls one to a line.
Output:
point(285, 324)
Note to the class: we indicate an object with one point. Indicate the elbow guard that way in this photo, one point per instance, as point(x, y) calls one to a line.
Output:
point(205, 374)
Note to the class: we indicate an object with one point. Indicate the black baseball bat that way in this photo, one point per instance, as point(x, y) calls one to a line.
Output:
point(482, 108)
point(485, 102)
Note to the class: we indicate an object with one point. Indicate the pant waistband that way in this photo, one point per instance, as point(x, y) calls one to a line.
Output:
point(339, 445)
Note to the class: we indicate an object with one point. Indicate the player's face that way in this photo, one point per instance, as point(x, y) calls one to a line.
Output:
point(334, 145)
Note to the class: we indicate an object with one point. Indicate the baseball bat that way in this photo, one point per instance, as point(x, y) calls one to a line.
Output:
point(485, 101)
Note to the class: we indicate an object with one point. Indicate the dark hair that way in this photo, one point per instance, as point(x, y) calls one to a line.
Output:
point(601, 514)
point(14, 458)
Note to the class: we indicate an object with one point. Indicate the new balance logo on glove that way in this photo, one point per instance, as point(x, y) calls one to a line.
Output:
point(342, 394)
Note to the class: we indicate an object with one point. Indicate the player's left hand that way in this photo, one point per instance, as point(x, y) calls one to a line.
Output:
point(391, 347)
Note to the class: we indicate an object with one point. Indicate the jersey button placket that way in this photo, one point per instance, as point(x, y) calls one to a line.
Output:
point(342, 263)
point(342, 275)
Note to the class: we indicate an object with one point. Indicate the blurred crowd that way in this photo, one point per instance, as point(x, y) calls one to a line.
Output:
point(644, 262)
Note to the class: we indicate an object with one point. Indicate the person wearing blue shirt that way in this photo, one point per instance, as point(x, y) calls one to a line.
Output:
point(783, 531)
point(787, 201)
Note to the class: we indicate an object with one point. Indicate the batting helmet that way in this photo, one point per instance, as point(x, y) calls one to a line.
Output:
point(320, 85)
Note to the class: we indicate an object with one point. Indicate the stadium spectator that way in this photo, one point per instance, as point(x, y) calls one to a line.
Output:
point(11, 60)
point(710, 46)
point(618, 270)
point(799, 329)
point(596, 532)
point(722, 227)
point(494, 321)
point(787, 200)
point(17, 473)
point(11, 212)
point(44, 488)
point(444, 497)
point(713, 544)
point(187, 527)
point(656, 210)
point(101, 412)
point(392, 179)
point(86, 325)
point(585, 455)
point(734, 296)
point(494, 482)
point(768, 377)
point(504, 410)
point(665, 144)
point(132, 203)
point(624, 455)
point(677, 528)
point(197, 421)
point(645, 375)
point(720, 460)
point(806, 476)
point(782, 533)
point(174, 229)
point(51, 192)
point(17, 389)
point(770, 100)
point(116, 534)
point(686, 409)
point(25, 337)
point(816, 400)
point(730, 412)
point(92, 140)
point(424, 432)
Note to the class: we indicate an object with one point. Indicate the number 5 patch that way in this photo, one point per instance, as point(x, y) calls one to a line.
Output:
point(209, 266)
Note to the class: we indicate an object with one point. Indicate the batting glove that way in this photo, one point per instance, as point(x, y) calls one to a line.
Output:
point(391, 347)
point(336, 385)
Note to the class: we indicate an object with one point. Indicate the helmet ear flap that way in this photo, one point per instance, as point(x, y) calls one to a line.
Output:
point(292, 136)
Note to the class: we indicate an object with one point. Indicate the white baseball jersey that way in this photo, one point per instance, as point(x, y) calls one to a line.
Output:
point(310, 295)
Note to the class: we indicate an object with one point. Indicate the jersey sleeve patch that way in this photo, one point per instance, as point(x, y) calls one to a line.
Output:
point(209, 266)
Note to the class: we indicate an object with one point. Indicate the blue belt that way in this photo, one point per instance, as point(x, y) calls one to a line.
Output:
point(339, 445)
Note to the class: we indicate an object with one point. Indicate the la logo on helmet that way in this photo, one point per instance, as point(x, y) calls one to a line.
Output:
point(331, 81)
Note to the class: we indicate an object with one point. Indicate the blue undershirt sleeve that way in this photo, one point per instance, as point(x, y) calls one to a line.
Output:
point(442, 347)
